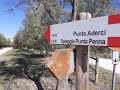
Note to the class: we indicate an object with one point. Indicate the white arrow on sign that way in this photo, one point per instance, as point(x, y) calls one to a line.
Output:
point(101, 31)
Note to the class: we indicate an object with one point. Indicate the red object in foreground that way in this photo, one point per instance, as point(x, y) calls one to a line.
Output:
point(114, 19)
point(47, 34)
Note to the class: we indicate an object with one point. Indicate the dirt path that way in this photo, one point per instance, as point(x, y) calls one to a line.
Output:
point(106, 64)
point(4, 50)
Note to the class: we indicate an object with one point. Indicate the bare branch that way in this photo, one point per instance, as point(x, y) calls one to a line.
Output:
point(17, 5)
point(49, 13)
point(106, 2)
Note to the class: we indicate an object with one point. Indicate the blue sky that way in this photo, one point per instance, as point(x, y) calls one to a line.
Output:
point(10, 21)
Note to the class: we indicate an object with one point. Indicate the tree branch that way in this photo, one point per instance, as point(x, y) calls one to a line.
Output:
point(102, 6)
point(17, 5)
point(49, 13)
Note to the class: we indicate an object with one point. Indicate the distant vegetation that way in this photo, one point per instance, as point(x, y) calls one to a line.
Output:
point(4, 42)
point(31, 38)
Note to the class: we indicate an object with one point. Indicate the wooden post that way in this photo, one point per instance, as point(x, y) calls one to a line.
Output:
point(96, 70)
point(82, 62)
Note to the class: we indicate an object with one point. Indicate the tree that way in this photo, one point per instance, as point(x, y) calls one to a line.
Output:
point(32, 34)
point(3, 41)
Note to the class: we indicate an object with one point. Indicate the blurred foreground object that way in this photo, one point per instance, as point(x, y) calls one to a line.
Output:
point(61, 63)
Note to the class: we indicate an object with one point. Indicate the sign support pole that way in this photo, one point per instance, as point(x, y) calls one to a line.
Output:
point(82, 62)
point(115, 61)
point(114, 77)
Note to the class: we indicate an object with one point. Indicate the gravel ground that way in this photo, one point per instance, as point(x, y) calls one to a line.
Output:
point(19, 84)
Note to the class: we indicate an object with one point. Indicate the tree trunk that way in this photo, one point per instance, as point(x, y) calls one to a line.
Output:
point(74, 10)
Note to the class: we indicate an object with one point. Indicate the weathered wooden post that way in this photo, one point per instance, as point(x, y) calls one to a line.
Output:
point(96, 70)
point(82, 61)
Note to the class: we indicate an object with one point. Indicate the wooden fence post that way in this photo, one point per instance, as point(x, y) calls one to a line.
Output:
point(82, 62)
point(96, 70)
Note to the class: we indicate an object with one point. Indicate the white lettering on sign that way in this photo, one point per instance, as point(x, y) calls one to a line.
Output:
point(102, 31)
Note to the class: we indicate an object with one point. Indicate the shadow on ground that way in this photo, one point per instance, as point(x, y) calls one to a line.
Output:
point(25, 64)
